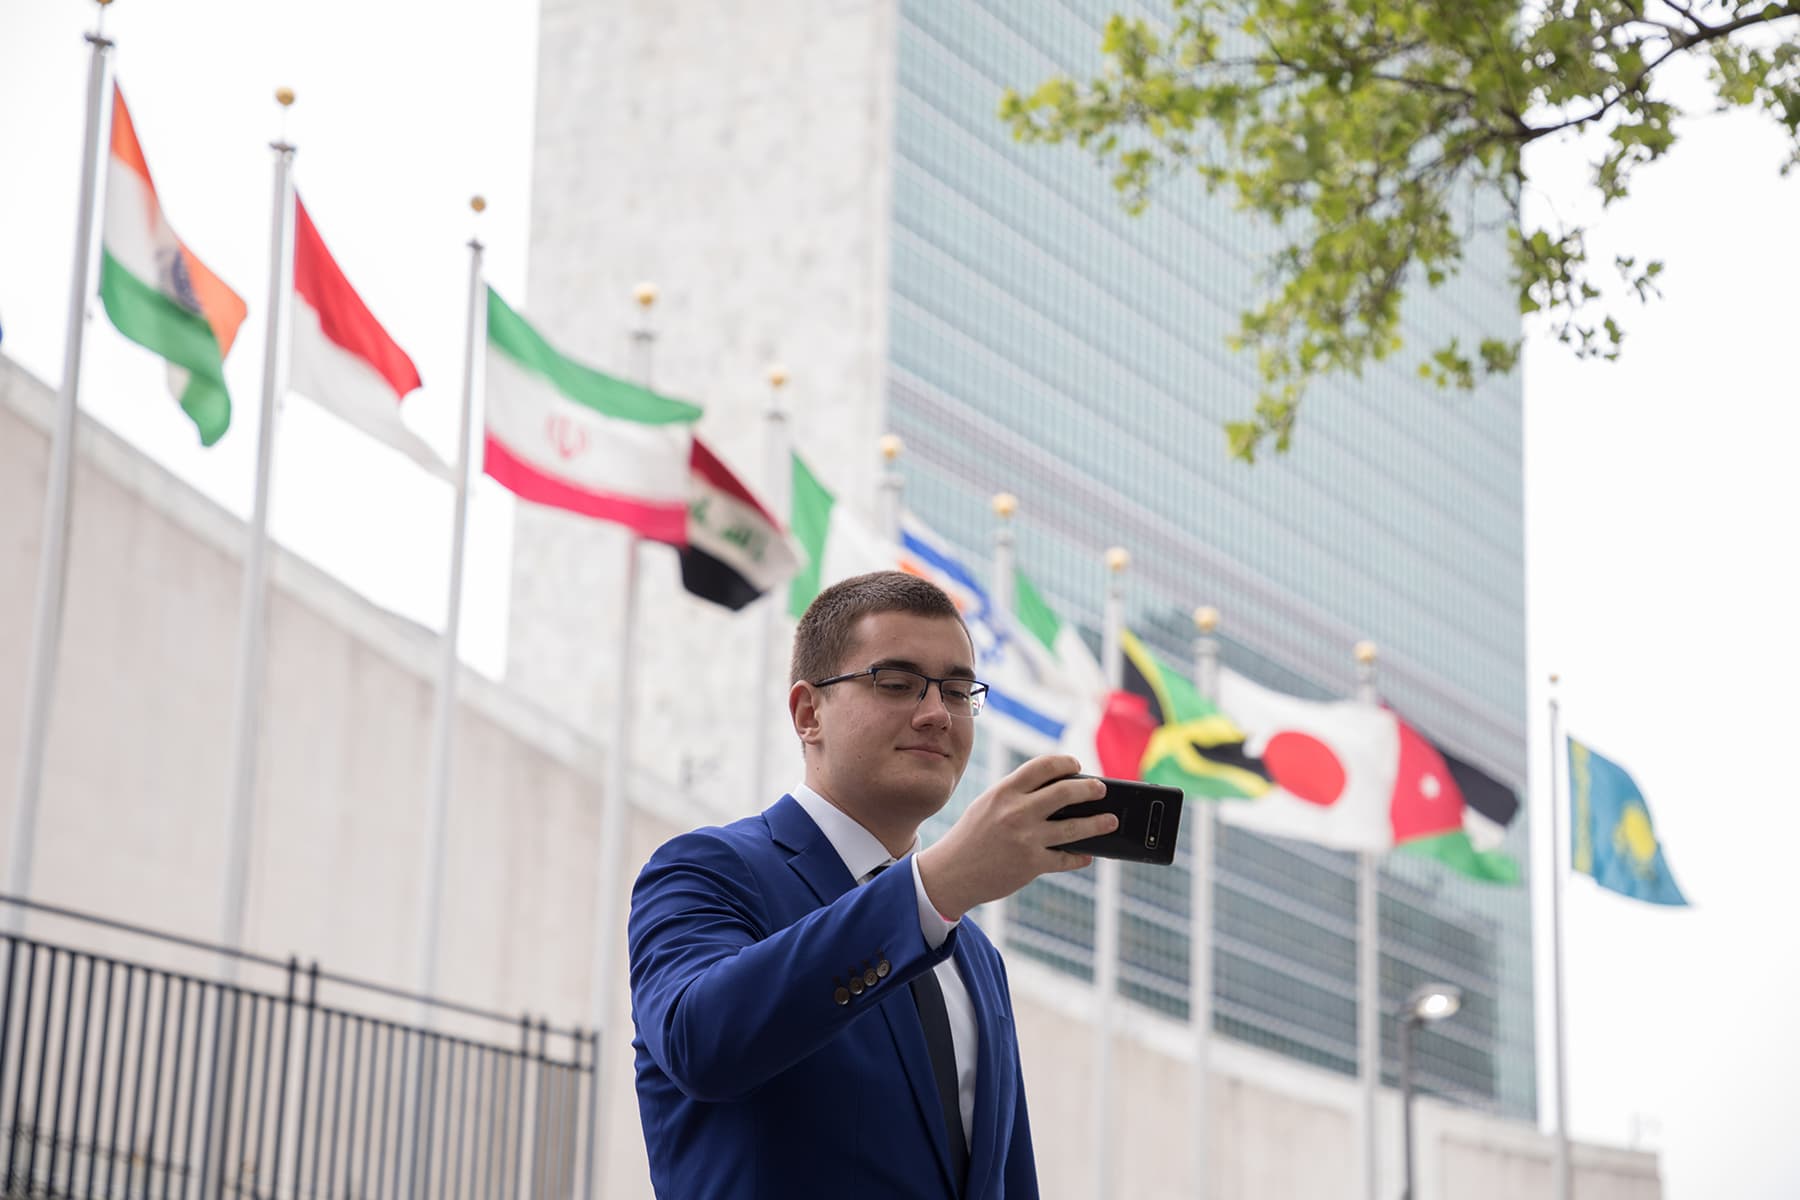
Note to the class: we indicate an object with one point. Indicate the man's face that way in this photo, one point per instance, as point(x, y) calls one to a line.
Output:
point(891, 763)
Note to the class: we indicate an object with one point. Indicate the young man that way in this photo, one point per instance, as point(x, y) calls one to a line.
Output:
point(811, 1023)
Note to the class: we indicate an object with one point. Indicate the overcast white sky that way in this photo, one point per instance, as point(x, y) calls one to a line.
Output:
point(1661, 493)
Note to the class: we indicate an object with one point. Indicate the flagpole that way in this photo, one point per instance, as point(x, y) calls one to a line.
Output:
point(1001, 597)
point(1200, 914)
point(892, 485)
point(1368, 961)
point(1106, 897)
point(776, 488)
point(53, 558)
point(614, 805)
point(252, 610)
point(1562, 1172)
point(443, 723)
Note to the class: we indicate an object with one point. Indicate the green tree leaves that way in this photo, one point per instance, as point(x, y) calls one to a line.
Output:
point(1362, 128)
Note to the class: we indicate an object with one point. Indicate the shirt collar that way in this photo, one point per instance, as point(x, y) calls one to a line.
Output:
point(860, 850)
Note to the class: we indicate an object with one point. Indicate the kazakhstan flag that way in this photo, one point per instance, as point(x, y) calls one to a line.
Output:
point(1613, 838)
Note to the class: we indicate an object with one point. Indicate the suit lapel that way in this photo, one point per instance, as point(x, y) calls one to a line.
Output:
point(817, 863)
point(902, 1016)
point(983, 983)
point(812, 856)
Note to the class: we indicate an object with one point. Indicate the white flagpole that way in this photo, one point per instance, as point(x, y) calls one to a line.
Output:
point(1558, 819)
point(443, 723)
point(252, 611)
point(1001, 597)
point(614, 804)
point(776, 485)
point(1368, 963)
point(892, 485)
point(53, 558)
point(1203, 820)
point(1106, 898)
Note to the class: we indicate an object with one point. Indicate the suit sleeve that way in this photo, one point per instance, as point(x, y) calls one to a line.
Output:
point(722, 1001)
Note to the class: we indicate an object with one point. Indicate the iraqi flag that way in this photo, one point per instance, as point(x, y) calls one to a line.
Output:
point(736, 550)
point(341, 357)
point(1347, 775)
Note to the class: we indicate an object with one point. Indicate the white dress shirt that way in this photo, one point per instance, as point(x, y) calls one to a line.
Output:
point(862, 854)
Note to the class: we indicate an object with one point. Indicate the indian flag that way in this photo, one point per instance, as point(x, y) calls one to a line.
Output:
point(562, 434)
point(157, 292)
point(837, 544)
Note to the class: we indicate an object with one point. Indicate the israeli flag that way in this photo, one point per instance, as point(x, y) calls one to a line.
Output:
point(1031, 697)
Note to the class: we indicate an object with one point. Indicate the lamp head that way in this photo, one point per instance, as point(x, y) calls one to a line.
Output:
point(1433, 1002)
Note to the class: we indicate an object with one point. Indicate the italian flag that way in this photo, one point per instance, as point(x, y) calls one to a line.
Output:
point(562, 434)
point(157, 293)
point(341, 357)
point(837, 544)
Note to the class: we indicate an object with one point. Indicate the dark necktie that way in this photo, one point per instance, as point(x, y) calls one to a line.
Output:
point(935, 1018)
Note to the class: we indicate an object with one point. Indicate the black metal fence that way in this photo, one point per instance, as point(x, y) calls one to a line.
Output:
point(119, 1079)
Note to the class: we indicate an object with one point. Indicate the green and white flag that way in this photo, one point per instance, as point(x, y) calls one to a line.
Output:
point(837, 544)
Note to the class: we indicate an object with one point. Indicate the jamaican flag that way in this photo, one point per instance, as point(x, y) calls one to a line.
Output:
point(1160, 729)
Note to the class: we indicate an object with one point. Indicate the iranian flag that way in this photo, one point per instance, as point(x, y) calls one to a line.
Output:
point(565, 435)
point(158, 293)
point(341, 357)
point(837, 544)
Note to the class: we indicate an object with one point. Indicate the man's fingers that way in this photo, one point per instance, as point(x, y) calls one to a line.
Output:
point(1079, 829)
point(1068, 860)
point(1058, 793)
point(1034, 773)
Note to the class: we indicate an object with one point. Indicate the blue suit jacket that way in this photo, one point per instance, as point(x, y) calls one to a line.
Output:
point(752, 1079)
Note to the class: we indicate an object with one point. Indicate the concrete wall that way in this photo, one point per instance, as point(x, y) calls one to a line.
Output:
point(761, 212)
point(134, 805)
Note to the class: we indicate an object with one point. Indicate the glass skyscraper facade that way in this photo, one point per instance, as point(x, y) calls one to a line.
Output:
point(1044, 343)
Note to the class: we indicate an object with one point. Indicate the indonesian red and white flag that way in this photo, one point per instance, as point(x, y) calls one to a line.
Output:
point(342, 359)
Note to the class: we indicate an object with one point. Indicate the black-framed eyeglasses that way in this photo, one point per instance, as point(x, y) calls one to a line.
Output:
point(901, 685)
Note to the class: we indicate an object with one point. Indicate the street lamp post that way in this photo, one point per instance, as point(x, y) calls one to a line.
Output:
point(1428, 1002)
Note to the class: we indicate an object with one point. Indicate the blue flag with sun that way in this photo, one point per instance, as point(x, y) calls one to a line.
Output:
point(1613, 838)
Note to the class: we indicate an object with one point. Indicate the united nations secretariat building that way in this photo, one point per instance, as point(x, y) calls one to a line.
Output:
point(825, 184)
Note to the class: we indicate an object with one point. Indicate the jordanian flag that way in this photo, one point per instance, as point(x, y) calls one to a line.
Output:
point(562, 434)
point(157, 293)
point(1159, 728)
point(837, 544)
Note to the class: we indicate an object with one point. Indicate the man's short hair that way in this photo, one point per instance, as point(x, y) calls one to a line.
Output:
point(825, 631)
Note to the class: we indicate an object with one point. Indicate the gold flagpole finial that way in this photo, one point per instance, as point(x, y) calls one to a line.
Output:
point(778, 375)
point(1365, 652)
point(645, 294)
point(1005, 505)
point(1206, 618)
point(478, 204)
point(891, 445)
point(284, 96)
point(1117, 559)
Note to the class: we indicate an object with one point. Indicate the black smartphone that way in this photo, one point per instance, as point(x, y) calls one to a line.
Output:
point(1149, 821)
